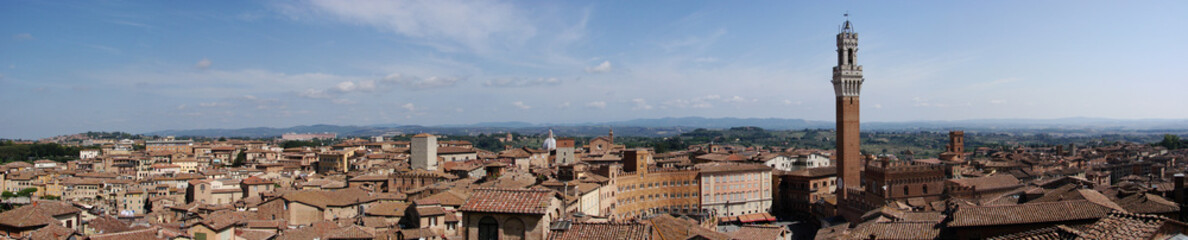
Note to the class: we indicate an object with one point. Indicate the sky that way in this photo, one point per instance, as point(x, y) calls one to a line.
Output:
point(138, 66)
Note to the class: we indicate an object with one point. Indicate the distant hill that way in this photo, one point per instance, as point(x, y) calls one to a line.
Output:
point(674, 126)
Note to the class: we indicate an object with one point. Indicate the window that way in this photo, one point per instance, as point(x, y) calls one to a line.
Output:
point(925, 189)
point(488, 229)
point(905, 190)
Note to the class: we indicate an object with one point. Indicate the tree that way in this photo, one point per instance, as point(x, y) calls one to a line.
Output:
point(240, 159)
point(7, 195)
point(28, 192)
point(1172, 142)
point(51, 197)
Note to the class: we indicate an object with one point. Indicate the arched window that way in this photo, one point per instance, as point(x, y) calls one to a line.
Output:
point(925, 189)
point(905, 190)
point(488, 229)
point(851, 58)
point(513, 229)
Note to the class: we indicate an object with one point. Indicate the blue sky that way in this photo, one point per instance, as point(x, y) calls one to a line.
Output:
point(138, 66)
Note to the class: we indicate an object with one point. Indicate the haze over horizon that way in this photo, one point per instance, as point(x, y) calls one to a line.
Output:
point(75, 66)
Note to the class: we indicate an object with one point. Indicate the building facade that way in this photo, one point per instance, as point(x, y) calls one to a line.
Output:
point(424, 152)
point(732, 189)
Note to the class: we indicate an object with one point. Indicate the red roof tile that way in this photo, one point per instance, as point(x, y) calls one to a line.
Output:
point(495, 200)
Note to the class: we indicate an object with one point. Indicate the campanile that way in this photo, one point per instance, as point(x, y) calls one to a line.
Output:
point(847, 81)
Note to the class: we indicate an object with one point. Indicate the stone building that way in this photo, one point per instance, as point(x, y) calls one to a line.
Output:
point(733, 189)
point(640, 190)
point(798, 190)
point(493, 213)
point(334, 161)
point(424, 152)
point(885, 180)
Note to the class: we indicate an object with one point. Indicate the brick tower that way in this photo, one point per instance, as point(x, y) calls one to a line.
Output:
point(847, 81)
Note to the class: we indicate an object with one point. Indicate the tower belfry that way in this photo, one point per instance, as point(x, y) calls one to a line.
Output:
point(847, 83)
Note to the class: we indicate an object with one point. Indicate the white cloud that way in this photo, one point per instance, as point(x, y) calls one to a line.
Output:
point(521, 105)
point(706, 101)
point(515, 82)
point(737, 99)
point(603, 67)
point(203, 64)
point(212, 104)
point(597, 104)
point(564, 105)
point(445, 24)
point(314, 93)
point(23, 36)
point(415, 83)
point(790, 102)
point(998, 101)
point(409, 106)
point(342, 101)
point(641, 104)
point(705, 59)
point(878, 105)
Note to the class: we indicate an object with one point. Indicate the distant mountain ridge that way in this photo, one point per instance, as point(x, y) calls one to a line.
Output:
point(675, 125)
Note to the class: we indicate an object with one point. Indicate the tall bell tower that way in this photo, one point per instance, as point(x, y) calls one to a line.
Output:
point(847, 82)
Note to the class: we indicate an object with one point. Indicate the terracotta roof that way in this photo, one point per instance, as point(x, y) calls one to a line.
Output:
point(1147, 203)
point(53, 231)
point(1057, 232)
point(387, 209)
point(495, 200)
point(36, 214)
point(896, 230)
point(430, 211)
point(997, 181)
point(668, 227)
point(145, 234)
point(418, 233)
point(455, 150)
point(254, 180)
point(315, 230)
point(351, 232)
point(107, 224)
point(421, 135)
point(446, 198)
point(1124, 226)
point(758, 232)
point(250, 234)
point(323, 199)
point(582, 231)
point(1027, 213)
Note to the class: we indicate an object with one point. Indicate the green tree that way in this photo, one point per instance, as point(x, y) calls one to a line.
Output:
point(1172, 142)
point(28, 192)
point(240, 159)
point(7, 195)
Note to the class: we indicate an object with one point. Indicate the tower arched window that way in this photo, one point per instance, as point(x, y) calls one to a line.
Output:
point(851, 56)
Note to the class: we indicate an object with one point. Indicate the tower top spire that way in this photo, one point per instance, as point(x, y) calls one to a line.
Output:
point(847, 27)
